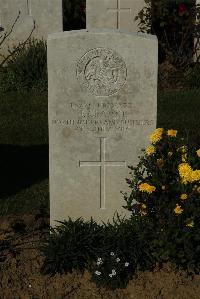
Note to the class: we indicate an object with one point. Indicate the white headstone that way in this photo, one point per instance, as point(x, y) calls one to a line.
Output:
point(102, 107)
point(47, 15)
point(115, 14)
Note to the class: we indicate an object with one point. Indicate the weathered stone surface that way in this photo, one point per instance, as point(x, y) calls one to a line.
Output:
point(115, 14)
point(102, 107)
point(46, 13)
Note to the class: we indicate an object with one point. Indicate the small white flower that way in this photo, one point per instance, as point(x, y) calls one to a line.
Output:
point(117, 260)
point(99, 261)
point(112, 253)
point(126, 264)
point(97, 272)
point(29, 285)
point(114, 272)
point(110, 275)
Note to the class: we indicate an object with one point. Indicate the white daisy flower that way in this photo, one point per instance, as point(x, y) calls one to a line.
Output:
point(126, 264)
point(112, 253)
point(117, 260)
point(97, 272)
point(110, 275)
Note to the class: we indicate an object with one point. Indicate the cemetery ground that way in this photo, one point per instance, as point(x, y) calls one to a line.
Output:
point(24, 202)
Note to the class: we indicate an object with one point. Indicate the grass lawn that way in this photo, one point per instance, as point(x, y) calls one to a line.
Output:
point(24, 142)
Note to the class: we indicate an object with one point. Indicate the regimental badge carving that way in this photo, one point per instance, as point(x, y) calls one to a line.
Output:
point(102, 71)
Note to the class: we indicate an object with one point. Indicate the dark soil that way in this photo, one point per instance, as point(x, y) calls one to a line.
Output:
point(20, 276)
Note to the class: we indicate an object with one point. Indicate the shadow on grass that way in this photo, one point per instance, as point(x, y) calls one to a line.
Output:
point(21, 167)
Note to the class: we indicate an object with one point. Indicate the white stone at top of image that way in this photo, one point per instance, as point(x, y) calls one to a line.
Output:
point(114, 14)
point(47, 14)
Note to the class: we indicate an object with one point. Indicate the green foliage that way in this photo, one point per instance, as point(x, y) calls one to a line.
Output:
point(78, 244)
point(27, 68)
point(74, 16)
point(72, 245)
point(192, 76)
point(165, 190)
point(175, 23)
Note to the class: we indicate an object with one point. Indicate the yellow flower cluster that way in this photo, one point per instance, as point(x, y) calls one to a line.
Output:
point(171, 133)
point(150, 150)
point(178, 210)
point(156, 135)
point(187, 174)
point(144, 187)
point(183, 196)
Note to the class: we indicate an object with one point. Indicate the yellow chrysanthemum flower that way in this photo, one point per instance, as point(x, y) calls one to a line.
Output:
point(171, 133)
point(190, 224)
point(144, 187)
point(160, 162)
point(195, 176)
point(178, 210)
point(184, 169)
point(183, 196)
point(150, 150)
point(198, 153)
point(185, 172)
point(156, 135)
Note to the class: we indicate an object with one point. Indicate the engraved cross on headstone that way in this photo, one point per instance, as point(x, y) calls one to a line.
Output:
point(118, 10)
point(102, 163)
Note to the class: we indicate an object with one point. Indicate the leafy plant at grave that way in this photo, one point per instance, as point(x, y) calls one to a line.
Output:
point(176, 24)
point(78, 244)
point(27, 68)
point(165, 190)
point(72, 245)
point(74, 14)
